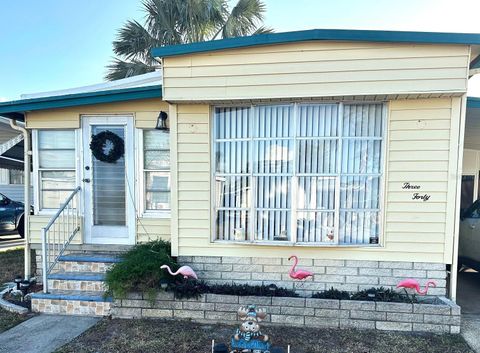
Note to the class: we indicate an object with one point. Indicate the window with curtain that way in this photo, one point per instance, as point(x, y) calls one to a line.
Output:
point(302, 173)
point(156, 170)
point(56, 166)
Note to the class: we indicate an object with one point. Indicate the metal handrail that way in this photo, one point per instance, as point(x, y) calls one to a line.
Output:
point(63, 226)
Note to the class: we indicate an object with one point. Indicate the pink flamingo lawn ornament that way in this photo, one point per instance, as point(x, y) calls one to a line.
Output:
point(413, 284)
point(298, 273)
point(185, 271)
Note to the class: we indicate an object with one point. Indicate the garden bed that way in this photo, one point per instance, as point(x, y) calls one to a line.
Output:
point(442, 317)
point(181, 336)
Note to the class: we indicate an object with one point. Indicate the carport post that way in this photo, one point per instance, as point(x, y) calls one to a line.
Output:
point(26, 215)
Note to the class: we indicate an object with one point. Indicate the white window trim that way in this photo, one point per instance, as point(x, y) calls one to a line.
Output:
point(140, 176)
point(36, 171)
point(292, 243)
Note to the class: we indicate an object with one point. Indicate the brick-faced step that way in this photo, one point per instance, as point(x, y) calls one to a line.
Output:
point(79, 281)
point(66, 302)
point(98, 263)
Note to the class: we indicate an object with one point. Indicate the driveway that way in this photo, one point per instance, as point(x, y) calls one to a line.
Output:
point(468, 297)
point(8, 242)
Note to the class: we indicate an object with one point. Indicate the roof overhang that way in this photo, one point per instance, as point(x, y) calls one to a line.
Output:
point(16, 109)
point(319, 35)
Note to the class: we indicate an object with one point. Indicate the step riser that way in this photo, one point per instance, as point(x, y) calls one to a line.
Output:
point(70, 307)
point(95, 286)
point(77, 266)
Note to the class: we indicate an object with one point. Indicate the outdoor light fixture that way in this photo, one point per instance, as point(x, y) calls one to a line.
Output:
point(17, 281)
point(162, 121)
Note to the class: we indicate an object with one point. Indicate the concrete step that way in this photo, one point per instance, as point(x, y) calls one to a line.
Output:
point(72, 302)
point(98, 263)
point(78, 281)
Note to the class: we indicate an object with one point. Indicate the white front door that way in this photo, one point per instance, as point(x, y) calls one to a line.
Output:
point(109, 187)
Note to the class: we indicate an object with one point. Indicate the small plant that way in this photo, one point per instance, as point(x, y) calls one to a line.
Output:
point(332, 293)
point(383, 295)
point(140, 269)
point(195, 289)
point(188, 288)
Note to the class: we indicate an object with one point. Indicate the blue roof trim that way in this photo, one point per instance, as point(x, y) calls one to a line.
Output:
point(13, 108)
point(473, 102)
point(319, 34)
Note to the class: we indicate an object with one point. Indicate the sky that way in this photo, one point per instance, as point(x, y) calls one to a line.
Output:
point(57, 44)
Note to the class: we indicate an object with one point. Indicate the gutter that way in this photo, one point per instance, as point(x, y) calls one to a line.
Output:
point(26, 214)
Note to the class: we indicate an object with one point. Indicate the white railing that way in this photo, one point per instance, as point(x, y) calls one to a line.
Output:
point(58, 233)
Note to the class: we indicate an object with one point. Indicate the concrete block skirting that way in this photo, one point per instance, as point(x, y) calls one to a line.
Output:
point(441, 318)
point(349, 275)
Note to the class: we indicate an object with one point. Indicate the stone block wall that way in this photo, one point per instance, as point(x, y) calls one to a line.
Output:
point(441, 318)
point(349, 275)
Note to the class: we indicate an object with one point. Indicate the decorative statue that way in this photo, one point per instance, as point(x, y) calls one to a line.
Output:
point(185, 271)
point(413, 284)
point(299, 273)
point(248, 336)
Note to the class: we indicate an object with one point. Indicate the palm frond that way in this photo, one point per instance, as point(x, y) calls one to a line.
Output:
point(244, 18)
point(263, 30)
point(134, 42)
point(119, 69)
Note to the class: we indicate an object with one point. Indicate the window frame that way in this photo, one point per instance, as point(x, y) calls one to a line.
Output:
point(141, 172)
point(37, 170)
point(293, 237)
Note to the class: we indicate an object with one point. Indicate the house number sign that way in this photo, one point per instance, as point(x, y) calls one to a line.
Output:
point(416, 196)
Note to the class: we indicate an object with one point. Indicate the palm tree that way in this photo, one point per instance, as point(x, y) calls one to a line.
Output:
point(170, 22)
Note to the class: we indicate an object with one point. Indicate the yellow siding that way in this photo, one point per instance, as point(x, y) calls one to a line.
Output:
point(420, 147)
point(145, 113)
point(147, 229)
point(39, 222)
point(152, 229)
point(317, 69)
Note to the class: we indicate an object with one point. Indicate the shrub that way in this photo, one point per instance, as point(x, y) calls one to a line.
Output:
point(383, 295)
point(140, 269)
point(195, 289)
point(332, 293)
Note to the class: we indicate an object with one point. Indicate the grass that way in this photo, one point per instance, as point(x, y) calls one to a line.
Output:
point(128, 336)
point(9, 320)
point(11, 265)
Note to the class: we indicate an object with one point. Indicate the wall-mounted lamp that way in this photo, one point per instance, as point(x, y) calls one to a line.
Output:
point(162, 121)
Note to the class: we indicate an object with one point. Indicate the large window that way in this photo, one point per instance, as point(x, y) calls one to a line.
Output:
point(56, 166)
point(156, 170)
point(302, 173)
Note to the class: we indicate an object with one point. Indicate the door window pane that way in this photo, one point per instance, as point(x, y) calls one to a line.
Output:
point(108, 189)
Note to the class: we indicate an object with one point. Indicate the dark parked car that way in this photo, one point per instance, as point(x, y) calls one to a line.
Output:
point(469, 245)
point(11, 216)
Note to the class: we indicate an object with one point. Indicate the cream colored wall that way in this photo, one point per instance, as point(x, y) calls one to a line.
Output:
point(145, 113)
point(422, 135)
point(147, 229)
point(316, 69)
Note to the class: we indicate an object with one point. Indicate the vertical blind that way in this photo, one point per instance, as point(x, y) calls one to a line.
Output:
point(309, 173)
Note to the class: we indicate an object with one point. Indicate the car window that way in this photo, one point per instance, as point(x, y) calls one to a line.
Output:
point(2, 198)
point(473, 211)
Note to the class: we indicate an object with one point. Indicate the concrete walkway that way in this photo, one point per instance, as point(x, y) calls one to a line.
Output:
point(44, 333)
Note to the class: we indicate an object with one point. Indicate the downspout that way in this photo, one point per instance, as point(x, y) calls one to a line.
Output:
point(27, 162)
